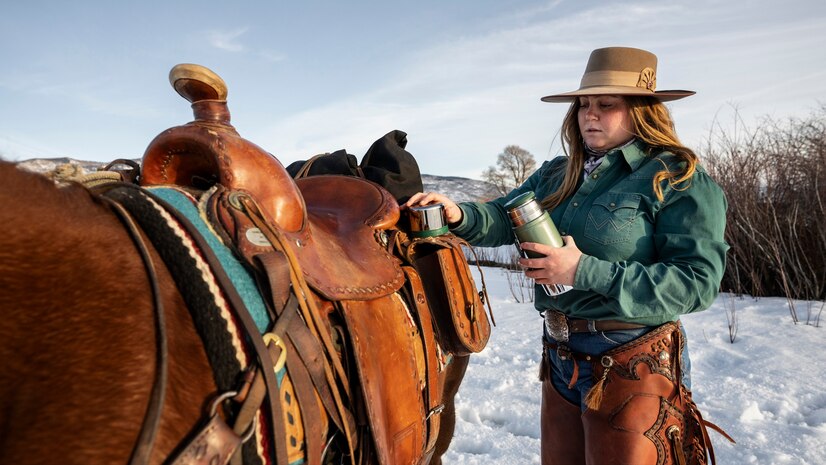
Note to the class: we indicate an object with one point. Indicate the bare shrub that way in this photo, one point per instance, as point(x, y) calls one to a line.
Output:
point(731, 316)
point(775, 181)
point(521, 287)
point(499, 257)
point(484, 256)
point(813, 312)
point(506, 258)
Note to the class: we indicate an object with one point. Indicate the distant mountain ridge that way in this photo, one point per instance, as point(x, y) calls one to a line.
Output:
point(457, 188)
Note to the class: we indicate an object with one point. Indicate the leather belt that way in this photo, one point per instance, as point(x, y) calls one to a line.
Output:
point(560, 327)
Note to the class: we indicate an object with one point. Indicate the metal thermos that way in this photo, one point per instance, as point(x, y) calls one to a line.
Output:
point(531, 223)
point(427, 220)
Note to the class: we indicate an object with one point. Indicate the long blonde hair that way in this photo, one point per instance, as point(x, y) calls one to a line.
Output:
point(653, 125)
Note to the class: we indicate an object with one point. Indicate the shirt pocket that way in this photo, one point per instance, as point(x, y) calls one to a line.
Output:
point(611, 218)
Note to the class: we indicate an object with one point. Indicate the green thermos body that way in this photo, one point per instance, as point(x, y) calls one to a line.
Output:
point(531, 223)
point(540, 230)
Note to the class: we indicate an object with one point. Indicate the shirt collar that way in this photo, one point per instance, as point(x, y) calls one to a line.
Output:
point(634, 154)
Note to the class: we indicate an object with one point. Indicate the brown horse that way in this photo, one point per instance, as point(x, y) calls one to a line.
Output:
point(80, 310)
point(77, 337)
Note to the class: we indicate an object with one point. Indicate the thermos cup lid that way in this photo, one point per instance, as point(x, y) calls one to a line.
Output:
point(524, 208)
point(522, 198)
point(428, 220)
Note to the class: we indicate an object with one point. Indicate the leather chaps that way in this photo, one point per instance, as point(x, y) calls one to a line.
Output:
point(645, 415)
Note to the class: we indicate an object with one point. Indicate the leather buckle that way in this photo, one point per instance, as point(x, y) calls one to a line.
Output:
point(557, 326)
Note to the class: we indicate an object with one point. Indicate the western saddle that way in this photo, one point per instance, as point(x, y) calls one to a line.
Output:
point(321, 243)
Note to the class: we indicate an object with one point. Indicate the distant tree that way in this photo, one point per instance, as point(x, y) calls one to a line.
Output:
point(513, 166)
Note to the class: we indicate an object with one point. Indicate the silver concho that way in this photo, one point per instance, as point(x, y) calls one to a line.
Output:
point(557, 326)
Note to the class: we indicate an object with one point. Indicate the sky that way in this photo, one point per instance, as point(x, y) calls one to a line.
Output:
point(462, 78)
point(769, 397)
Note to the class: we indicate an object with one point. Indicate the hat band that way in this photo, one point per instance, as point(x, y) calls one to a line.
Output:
point(644, 79)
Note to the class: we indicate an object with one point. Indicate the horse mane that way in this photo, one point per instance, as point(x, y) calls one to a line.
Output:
point(84, 261)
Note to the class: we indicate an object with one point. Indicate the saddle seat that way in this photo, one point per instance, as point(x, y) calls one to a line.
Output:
point(340, 254)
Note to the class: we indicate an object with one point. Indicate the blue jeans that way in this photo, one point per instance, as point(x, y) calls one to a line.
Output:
point(594, 344)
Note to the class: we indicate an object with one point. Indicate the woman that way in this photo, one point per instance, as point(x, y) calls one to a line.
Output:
point(642, 224)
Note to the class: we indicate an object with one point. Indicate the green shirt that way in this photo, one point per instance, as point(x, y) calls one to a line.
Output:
point(644, 260)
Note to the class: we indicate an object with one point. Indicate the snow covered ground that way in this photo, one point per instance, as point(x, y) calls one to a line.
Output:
point(766, 389)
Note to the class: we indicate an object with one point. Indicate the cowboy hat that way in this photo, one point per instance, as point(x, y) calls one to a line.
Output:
point(620, 71)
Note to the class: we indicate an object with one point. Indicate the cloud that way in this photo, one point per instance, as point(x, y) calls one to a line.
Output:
point(15, 147)
point(102, 94)
point(445, 134)
point(227, 40)
point(271, 56)
point(462, 101)
point(230, 41)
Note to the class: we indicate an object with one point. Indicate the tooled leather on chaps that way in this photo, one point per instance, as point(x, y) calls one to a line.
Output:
point(646, 414)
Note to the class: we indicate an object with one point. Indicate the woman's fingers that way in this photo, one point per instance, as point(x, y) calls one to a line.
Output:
point(424, 198)
point(541, 249)
point(558, 265)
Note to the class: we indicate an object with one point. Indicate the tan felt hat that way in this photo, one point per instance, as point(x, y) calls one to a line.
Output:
point(620, 71)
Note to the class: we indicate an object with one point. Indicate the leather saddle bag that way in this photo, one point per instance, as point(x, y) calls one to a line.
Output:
point(458, 309)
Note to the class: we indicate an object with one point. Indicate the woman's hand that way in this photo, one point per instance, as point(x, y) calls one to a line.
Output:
point(558, 266)
point(452, 211)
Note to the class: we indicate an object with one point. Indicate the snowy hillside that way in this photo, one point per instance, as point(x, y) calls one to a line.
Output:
point(459, 189)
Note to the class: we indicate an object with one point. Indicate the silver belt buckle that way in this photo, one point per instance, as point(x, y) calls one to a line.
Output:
point(557, 326)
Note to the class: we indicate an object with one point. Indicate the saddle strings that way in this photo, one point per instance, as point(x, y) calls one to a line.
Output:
point(310, 311)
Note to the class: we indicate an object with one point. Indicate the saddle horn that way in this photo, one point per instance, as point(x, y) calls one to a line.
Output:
point(196, 82)
point(210, 151)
